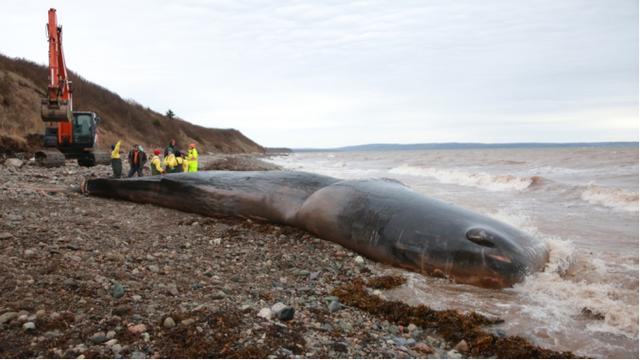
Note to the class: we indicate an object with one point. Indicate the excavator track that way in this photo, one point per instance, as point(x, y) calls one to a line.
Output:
point(55, 158)
point(49, 158)
point(94, 158)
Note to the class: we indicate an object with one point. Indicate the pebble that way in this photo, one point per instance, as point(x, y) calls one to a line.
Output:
point(218, 295)
point(117, 290)
point(187, 322)
point(12, 217)
point(13, 163)
point(5, 235)
point(340, 347)
point(283, 312)
point(29, 252)
point(111, 334)
point(196, 286)
point(136, 297)
point(399, 341)
point(29, 326)
point(137, 329)
point(334, 306)
point(173, 289)
point(154, 268)
point(116, 348)
point(265, 313)
point(423, 348)
point(453, 354)
point(168, 322)
point(111, 342)
point(462, 347)
point(359, 260)
point(80, 348)
point(98, 338)
point(138, 355)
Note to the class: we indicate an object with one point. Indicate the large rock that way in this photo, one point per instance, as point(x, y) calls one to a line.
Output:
point(282, 312)
point(16, 163)
point(265, 313)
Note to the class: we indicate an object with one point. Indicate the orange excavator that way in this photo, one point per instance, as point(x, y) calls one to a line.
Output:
point(68, 134)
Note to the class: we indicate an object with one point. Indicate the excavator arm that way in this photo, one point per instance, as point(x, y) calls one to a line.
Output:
point(58, 106)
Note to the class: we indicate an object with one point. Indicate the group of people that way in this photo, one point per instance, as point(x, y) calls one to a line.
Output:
point(173, 161)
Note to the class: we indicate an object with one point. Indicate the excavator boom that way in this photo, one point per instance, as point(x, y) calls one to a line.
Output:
point(58, 106)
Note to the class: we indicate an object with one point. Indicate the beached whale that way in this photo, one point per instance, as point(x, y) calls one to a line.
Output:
point(381, 219)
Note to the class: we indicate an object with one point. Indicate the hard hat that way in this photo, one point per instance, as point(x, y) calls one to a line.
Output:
point(192, 145)
point(156, 152)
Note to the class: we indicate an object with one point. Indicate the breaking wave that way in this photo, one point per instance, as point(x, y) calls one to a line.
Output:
point(559, 296)
point(611, 197)
point(481, 180)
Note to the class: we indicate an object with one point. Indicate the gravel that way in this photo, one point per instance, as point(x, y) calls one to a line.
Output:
point(101, 270)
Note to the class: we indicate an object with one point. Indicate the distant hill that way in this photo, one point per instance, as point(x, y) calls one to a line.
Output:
point(437, 146)
point(277, 151)
point(23, 84)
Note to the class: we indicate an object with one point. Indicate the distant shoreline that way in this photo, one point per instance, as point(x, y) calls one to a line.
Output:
point(452, 146)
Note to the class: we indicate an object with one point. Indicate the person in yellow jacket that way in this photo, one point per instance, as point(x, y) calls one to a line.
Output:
point(116, 162)
point(181, 163)
point(156, 164)
point(170, 163)
point(192, 158)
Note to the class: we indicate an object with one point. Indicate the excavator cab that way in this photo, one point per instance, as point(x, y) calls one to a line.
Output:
point(84, 128)
point(74, 140)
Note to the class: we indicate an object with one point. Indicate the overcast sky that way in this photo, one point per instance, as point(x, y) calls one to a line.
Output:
point(330, 73)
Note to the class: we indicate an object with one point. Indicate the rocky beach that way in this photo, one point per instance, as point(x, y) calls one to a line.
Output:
point(86, 277)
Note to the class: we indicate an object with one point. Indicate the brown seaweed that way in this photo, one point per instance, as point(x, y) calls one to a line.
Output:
point(452, 325)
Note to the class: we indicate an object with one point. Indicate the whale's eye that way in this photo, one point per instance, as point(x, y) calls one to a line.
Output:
point(480, 237)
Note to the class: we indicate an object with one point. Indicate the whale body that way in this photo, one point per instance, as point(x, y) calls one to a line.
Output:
point(381, 219)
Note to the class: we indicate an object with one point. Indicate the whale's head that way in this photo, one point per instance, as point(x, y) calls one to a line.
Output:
point(386, 221)
point(464, 246)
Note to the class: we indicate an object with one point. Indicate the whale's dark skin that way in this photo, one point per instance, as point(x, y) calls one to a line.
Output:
point(379, 218)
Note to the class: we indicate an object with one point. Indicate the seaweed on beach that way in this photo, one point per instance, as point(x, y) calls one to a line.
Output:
point(222, 337)
point(452, 325)
point(386, 282)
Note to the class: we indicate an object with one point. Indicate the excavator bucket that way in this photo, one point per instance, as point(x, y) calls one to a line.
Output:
point(49, 158)
point(55, 112)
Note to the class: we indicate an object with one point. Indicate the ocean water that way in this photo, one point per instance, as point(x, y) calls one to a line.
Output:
point(582, 201)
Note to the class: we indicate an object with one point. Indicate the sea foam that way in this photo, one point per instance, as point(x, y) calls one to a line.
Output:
point(614, 198)
point(481, 180)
